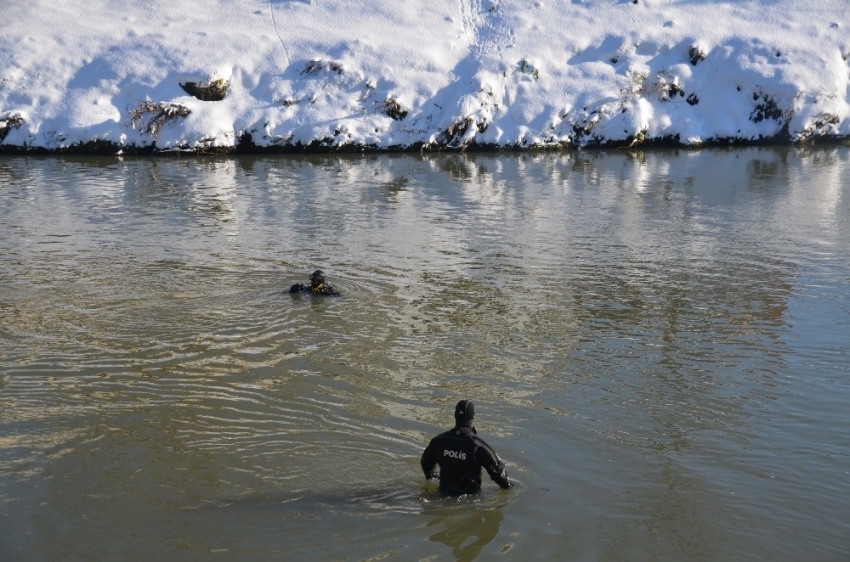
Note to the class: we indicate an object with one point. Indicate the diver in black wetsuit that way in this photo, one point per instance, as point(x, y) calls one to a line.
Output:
point(460, 453)
point(317, 286)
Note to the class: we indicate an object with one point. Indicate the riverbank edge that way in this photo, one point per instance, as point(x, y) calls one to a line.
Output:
point(328, 146)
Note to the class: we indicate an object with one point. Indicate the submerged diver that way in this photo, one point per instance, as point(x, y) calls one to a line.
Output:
point(317, 285)
point(460, 453)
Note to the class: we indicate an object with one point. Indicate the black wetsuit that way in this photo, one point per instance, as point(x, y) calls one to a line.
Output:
point(323, 289)
point(461, 454)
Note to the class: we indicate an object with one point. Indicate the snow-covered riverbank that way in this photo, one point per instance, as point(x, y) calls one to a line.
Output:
point(289, 74)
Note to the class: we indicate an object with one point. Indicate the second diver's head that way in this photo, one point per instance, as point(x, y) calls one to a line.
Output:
point(317, 280)
point(464, 413)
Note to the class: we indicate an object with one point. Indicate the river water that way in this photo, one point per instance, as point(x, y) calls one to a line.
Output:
point(656, 344)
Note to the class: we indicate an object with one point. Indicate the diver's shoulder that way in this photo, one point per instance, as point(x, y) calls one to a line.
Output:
point(328, 291)
point(299, 288)
point(455, 434)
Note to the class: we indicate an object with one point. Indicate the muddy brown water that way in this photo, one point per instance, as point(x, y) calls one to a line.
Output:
point(656, 343)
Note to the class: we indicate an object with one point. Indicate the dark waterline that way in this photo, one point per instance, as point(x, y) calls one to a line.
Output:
point(656, 343)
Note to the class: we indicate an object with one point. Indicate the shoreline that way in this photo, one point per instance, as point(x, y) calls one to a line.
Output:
point(247, 147)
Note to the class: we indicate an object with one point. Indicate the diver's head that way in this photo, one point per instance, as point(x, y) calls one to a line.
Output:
point(464, 413)
point(317, 279)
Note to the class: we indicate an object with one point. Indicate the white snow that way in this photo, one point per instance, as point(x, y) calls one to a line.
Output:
point(507, 73)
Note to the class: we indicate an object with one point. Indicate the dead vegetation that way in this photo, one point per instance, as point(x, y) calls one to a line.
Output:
point(214, 91)
point(394, 109)
point(149, 117)
point(767, 108)
point(824, 126)
point(315, 66)
point(9, 122)
point(695, 54)
point(459, 135)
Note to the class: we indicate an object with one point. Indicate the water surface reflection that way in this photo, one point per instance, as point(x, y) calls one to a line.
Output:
point(654, 341)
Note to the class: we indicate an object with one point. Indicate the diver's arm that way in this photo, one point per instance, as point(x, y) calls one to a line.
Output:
point(429, 461)
point(330, 291)
point(297, 288)
point(487, 457)
point(501, 477)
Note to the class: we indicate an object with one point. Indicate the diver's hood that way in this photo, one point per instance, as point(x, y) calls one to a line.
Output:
point(464, 413)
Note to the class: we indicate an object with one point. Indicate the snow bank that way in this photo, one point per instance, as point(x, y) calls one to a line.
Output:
point(291, 74)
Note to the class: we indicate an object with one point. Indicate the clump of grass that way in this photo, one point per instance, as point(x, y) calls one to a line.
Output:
point(766, 109)
point(9, 122)
point(316, 66)
point(824, 125)
point(582, 122)
point(150, 116)
point(526, 68)
point(394, 109)
point(637, 82)
point(455, 135)
point(214, 91)
point(457, 129)
point(695, 54)
point(664, 85)
point(639, 138)
point(672, 90)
